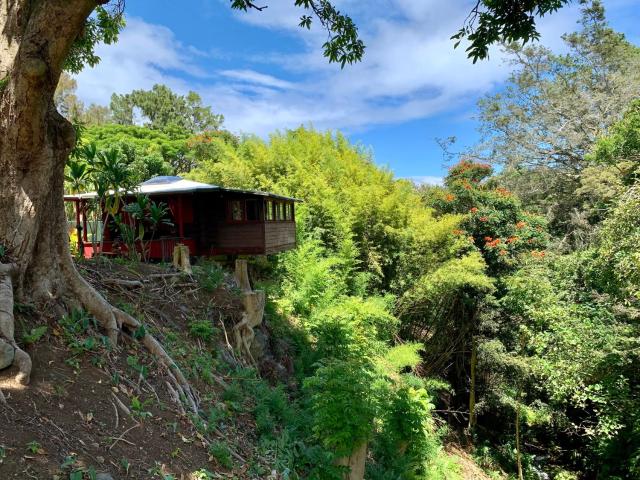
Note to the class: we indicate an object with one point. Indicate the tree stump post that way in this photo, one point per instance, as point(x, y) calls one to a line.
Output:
point(181, 258)
point(242, 275)
point(355, 462)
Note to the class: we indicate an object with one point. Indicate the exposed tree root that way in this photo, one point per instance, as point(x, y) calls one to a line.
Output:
point(111, 319)
point(114, 320)
point(20, 358)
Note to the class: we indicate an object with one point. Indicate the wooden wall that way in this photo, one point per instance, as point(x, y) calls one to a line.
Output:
point(279, 236)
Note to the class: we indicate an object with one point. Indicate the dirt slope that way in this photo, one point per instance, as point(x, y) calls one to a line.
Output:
point(89, 409)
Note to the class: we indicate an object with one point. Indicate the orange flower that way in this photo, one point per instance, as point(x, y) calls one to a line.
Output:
point(449, 197)
point(512, 239)
point(487, 239)
point(474, 210)
point(520, 225)
point(502, 252)
point(467, 186)
point(458, 232)
point(483, 219)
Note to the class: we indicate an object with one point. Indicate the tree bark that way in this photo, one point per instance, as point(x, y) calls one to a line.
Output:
point(35, 141)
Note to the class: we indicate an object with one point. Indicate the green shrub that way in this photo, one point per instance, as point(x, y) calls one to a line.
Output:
point(202, 329)
point(35, 334)
point(343, 403)
point(221, 453)
point(210, 275)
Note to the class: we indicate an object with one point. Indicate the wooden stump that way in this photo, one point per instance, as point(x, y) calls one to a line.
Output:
point(181, 258)
point(355, 462)
point(242, 275)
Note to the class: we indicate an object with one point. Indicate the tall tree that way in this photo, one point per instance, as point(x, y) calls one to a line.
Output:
point(553, 109)
point(163, 108)
point(65, 98)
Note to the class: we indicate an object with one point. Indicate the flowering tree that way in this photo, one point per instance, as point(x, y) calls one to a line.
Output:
point(494, 218)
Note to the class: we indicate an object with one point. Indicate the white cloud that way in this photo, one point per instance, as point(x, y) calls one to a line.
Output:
point(256, 78)
point(144, 55)
point(410, 69)
point(427, 180)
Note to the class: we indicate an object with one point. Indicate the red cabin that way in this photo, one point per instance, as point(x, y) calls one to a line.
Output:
point(210, 220)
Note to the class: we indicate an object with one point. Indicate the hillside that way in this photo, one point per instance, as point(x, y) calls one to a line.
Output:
point(91, 412)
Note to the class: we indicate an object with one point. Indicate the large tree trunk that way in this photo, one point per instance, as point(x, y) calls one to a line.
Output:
point(35, 140)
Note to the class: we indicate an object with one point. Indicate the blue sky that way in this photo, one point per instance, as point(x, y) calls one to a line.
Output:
point(264, 73)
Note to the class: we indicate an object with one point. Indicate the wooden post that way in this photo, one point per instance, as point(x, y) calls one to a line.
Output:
point(355, 462)
point(84, 221)
point(79, 228)
point(181, 258)
point(242, 275)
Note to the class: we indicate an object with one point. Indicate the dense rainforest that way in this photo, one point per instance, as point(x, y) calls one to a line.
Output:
point(498, 311)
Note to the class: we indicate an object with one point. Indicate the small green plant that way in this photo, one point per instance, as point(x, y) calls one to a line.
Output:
point(233, 396)
point(140, 332)
point(69, 461)
point(158, 471)
point(202, 474)
point(3, 453)
point(216, 415)
point(202, 329)
point(34, 335)
point(210, 276)
point(124, 463)
point(138, 408)
point(33, 447)
point(81, 474)
point(76, 323)
point(135, 364)
point(221, 453)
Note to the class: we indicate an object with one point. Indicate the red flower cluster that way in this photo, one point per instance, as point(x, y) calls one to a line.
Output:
point(503, 192)
point(512, 239)
point(449, 197)
point(538, 254)
point(484, 219)
point(458, 232)
point(520, 225)
point(474, 210)
point(502, 253)
point(493, 243)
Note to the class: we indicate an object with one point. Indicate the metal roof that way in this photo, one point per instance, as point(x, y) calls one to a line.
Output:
point(173, 184)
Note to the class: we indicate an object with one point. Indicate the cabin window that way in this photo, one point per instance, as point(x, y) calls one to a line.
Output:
point(288, 210)
point(252, 210)
point(280, 211)
point(237, 210)
point(269, 206)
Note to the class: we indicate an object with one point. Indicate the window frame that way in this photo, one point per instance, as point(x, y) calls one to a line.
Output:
point(279, 211)
point(243, 201)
